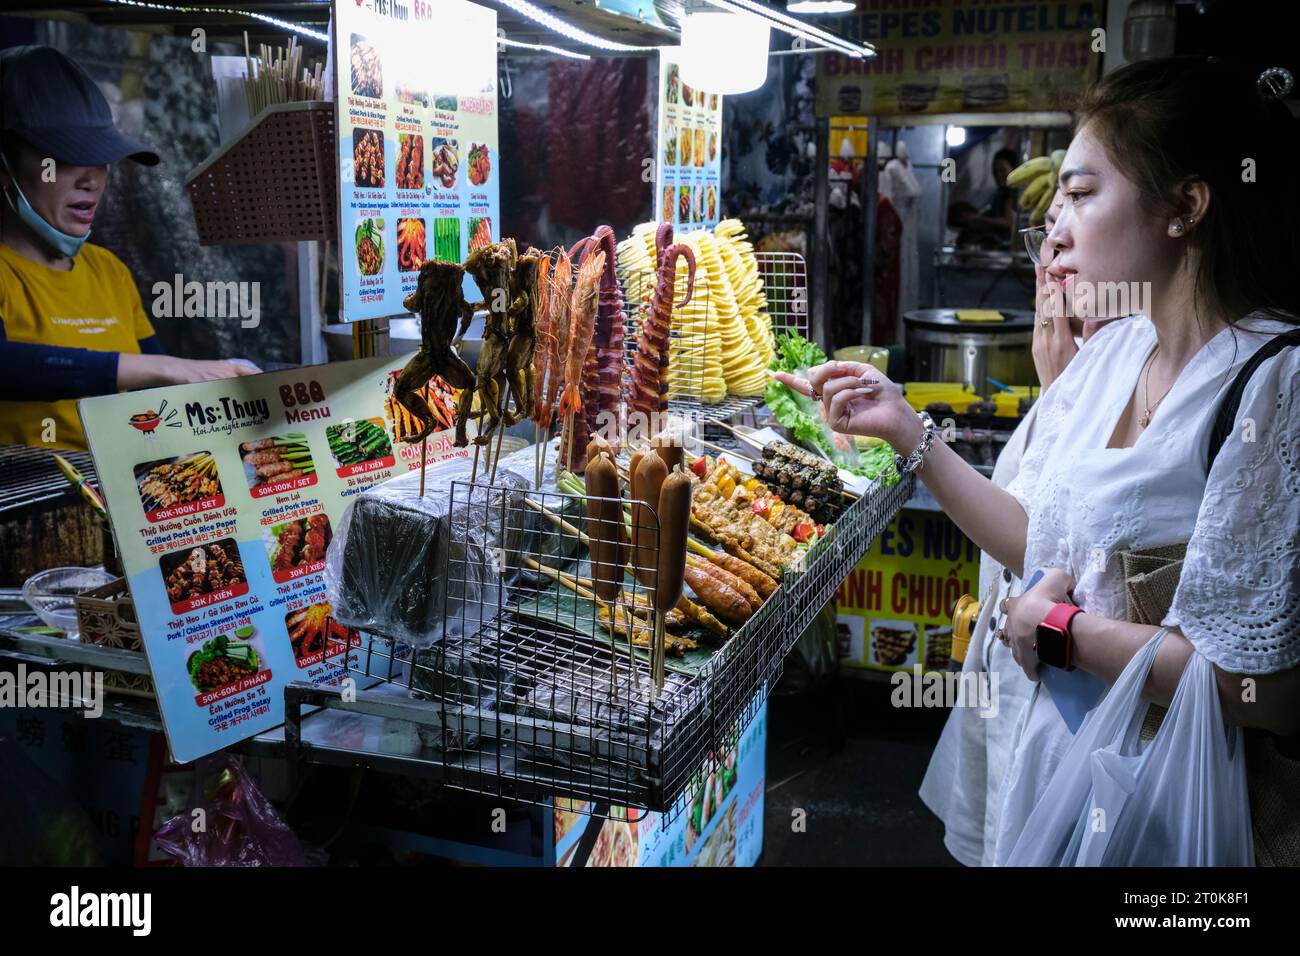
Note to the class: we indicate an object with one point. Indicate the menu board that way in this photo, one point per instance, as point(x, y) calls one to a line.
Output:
point(688, 180)
point(224, 497)
point(419, 168)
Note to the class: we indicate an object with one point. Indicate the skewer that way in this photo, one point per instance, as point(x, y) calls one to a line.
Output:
point(424, 450)
point(724, 451)
point(852, 496)
point(537, 456)
point(501, 431)
point(747, 439)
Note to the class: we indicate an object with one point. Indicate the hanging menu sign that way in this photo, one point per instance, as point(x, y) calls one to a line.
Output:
point(224, 497)
point(419, 170)
point(688, 183)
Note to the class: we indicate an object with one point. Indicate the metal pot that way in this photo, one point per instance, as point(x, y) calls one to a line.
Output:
point(943, 349)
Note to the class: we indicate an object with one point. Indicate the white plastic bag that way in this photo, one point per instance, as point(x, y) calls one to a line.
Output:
point(1177, 800)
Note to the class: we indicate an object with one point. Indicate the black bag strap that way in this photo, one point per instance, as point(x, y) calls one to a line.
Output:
point(1227, 414)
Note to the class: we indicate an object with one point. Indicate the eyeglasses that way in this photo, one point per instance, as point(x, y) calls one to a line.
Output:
point(1035, 236)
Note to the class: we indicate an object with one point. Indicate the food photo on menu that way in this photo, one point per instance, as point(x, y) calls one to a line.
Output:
point(410, 161)
point(272, 464)
point(358, 443)
point(367, 70)
point(410, 244)
point(444, 156)
point(314, 634)
point(227, 660)
point(179, 485)
point(297, 548)
point(370, 246)
point(202, 575)
point(368, 158)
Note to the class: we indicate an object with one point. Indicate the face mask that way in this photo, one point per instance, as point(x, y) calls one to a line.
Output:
point(59, 242)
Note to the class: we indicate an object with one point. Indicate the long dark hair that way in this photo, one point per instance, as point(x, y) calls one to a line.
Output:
point(1169, 120)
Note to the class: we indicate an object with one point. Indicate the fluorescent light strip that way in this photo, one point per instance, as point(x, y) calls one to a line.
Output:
point(566, 29)
point(273, 21)
point(544, 47)
point(797, 27)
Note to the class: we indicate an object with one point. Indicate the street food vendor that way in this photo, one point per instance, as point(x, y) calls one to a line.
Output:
point(71, 320)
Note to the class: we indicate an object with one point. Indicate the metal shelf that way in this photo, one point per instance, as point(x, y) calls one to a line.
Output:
point(533, 755)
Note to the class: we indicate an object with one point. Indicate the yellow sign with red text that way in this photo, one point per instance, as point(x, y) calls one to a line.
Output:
point(894, 610)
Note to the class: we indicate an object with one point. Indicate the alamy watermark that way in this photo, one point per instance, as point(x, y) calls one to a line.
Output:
point(39, 689)
point(208, 300)
point(978, 689)
point(1102, 300)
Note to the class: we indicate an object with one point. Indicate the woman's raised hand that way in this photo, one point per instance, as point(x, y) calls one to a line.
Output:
point(857, 399)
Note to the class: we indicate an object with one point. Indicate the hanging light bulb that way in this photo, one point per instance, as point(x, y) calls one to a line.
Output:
point(724, 52)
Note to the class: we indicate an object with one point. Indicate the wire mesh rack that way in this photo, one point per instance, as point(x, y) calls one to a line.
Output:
point(782, 297)
point(523, 690)
point(30, 475)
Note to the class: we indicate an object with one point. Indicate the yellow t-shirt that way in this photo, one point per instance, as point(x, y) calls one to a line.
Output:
point(95, 306)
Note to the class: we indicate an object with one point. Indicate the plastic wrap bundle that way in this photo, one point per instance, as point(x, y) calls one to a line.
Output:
point(386, 570)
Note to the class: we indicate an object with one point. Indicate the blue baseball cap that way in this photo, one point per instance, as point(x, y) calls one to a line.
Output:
point(53, 104)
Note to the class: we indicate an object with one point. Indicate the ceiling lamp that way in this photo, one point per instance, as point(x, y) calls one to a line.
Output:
point(817, 7)
point(798, 28)
point(724, 52)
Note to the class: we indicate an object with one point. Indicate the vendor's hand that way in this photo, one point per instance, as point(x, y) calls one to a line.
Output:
point(1026, 612)
point(188, 371)
point(1053, 342)
point(153, 371)
point(858, 400)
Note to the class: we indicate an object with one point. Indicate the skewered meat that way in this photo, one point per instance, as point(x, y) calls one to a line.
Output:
point(582, 321)
point(490, 267)
point(610, 322)
point(545, 350)
point(560, 295)
point(440, 302)
point(523, 336)
point(649, 393)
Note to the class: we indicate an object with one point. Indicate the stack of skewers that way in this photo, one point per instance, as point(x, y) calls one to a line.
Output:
point(278, 76)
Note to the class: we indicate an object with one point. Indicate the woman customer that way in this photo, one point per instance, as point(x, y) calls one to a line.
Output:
point(71, 320)
point(1119, 457)
point(962, 782)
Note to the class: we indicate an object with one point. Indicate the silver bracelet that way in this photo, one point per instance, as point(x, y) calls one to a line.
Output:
point(916, 459)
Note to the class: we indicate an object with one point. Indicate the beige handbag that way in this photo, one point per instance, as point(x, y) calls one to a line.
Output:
point(1150, 579)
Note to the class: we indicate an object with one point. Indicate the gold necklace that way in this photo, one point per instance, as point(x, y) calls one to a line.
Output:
point(1145, 420)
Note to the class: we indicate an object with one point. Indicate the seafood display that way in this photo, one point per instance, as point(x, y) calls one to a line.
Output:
point(367, 70)
point(579, 360)
point(368, 158)
point(444, 315)
point(559, 295)
point(178, 481)
point(649, 373)
point(410, 162)
point(197, 572)
point(610, 325)
point(271, 460)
